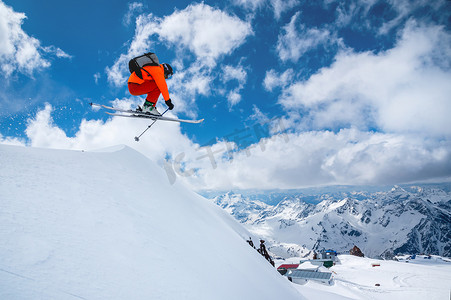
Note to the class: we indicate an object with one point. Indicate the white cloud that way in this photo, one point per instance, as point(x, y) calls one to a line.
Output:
point(206, 32)
point(296, 40)
point(258, 116)
point(163, 138)
point(133, 8)
point(238, 74)
point(368, 14)
point(234, 73)
point(273, 79)
point(233, 98)
point(97, 76)
point(404, 89)
point(12, 141)
point(19, 51)
point(348, 12)
point(201, 36)
point(285, 160)
point(321, 158)
point(403, 92)
point(280, 6)
point(187, 84)
point(56, 51)
point(141, 43)
point(249, 4)
point(404, 9)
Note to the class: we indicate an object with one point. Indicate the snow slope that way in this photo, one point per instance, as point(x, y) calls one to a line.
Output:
point(356, 278)
point(108, 225)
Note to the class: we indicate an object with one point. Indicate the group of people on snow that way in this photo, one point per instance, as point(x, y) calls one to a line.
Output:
point(262, 250)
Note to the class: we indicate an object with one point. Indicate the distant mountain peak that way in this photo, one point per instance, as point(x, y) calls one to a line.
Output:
point(382, 223)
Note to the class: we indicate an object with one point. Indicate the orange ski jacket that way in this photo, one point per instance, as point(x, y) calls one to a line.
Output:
point(156, 73)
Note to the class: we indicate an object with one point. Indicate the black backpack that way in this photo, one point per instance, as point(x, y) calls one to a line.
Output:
point(137, 64)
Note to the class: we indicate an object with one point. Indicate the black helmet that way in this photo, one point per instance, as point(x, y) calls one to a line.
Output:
point(167, 70)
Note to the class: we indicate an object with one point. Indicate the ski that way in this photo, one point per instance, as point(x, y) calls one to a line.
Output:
point(153, 117)
point(114, 108)
point(137, 114)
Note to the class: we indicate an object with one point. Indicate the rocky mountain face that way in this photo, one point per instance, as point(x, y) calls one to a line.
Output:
point(409, 220)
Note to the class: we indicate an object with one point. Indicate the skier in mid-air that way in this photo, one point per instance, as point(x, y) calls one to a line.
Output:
point(148, 76)
point(150, 79)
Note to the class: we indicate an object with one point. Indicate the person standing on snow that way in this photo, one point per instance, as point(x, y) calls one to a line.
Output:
point(151, 82)
point(251, 242)
point(263, 250)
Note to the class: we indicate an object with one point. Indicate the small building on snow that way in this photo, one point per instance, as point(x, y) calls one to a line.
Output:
point(283, 269)
point(308, 271)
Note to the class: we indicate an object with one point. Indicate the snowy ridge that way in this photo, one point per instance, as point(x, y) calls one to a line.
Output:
point(403, 220)
point(108, 225)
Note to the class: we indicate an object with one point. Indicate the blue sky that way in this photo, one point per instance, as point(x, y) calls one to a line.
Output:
point(294, 93)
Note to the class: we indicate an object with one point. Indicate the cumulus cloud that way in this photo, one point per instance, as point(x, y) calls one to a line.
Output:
point(14, 141)
point(207, 32)
point(316, 158)
point(141, 43)
point(282, 159)
point(201, 37)
point(204, 31)
point(19, 51)
point(404, 89)
point(368, 118)
point(187, 84)
point(296, 40)
point(235, 74)
point(274, 80)
point(165, 138)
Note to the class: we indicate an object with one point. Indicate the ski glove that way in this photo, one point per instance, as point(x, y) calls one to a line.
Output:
point(169, 104)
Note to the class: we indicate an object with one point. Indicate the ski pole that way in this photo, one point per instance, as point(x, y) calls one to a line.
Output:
point(137, 137)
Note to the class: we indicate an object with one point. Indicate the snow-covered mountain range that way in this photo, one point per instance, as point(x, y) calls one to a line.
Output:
point(414, 219)
point(108, 225)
